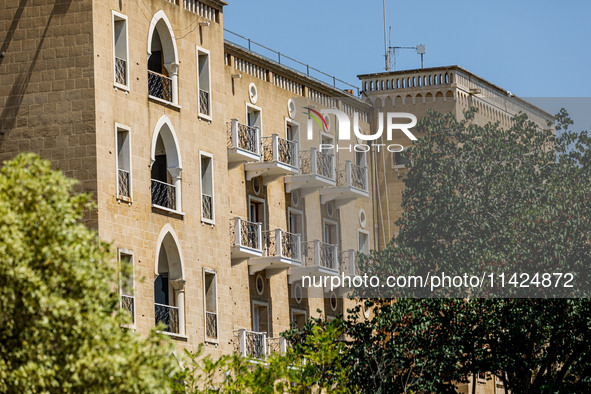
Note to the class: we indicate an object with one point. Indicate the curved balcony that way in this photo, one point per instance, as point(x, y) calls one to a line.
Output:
point(282, 251)
point(351, 184)
point(246, 238)
point(319, 259)
point(279, 157)
point(317, 170)
point(244, 143)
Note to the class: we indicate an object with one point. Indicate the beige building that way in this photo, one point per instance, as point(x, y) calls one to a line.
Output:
point(443, 89)
point(197, 152)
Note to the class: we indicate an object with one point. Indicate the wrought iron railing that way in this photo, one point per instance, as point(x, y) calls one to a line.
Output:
point(211, 325)
point(283, 244)
point(281, 150)
point(169, 316)
point(123, 188)
point(159, 86)
point(250, 343)
point(243, 137)
point(245, 233)
point(163, 194)
point(207, 206)
point(204, 102)
point(317, 163)
point(317, 253)
point(347, 262)
point(128, 304)
point(353, 175)
point(276, 345)
point(120, 71)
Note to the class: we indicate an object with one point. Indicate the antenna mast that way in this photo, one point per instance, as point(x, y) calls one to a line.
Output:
point(386, 51)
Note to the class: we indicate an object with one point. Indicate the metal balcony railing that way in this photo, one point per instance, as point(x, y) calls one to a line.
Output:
point(163, 194)
point(204, 102)
point(280, 150)
point(250, 343)
point(317, 163)
point(120, 71)
point(123, 188)
point(276, 345)
point(347, 262)
point(159, 86)
point(243, 137)
point(128, 304)
point(321, 254)
point(207, 206)
point(350, 174)
point(169, 316)
point(283, 244)
point(211, 325)
point(245, 233)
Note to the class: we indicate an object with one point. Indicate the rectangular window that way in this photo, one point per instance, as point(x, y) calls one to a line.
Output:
point(298, 317)
point(363, 239)
point(253, 117)
point(204, 83)
point(295, 222)
point(120, 51)
point(207, 198)
point(211, 304)
point(126, 282)
point(399, 161)
point(123, 161)
point(260, 317)
point(256, 211)
point(330, 232)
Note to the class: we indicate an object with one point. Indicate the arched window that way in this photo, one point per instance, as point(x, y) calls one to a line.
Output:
point(169, 285)
point(163, 61)
point(166, 167)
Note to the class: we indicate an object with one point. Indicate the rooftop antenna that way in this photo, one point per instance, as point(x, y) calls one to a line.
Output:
point(386, 44)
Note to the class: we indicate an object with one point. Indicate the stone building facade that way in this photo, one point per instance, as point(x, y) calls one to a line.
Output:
point(196, 150)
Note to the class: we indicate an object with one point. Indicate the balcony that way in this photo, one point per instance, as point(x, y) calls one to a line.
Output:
point(282, 251)
point(243, 143)
point(128, 304)
point(256, 344)
point(317, 170)
point(167, 315)
point(351, 184)
point(348, 264)
point(246, 238)
point(280, 157)
point(163, 195)
point(319, 259)
point(159, 86)
point(123, 185)
point(211, 326)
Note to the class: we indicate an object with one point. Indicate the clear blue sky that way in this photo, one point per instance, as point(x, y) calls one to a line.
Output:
point(532, 48)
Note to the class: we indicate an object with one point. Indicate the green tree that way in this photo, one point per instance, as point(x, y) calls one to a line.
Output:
point(484, 199)
point(60, 325)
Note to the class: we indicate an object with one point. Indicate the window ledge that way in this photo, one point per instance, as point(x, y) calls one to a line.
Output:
point(173, 335)
point(208, 221)
point(124, 199)
point(122, 87)
point(167, 103)
point(398, 166)
point(128, 326)
point(207, 118)
point(210, 341)
point(158, 207)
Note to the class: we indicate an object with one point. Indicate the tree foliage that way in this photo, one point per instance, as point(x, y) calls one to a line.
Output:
point(59, 306)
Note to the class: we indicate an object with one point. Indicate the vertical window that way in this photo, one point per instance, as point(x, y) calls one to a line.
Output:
point(330, 232)
point(253, 117)
point(123, 160)
point(211, 304)
point(260, 317)
point(298, 317)
point(256, 211)
point(207, 200)
point(126, 282)
point(120, 51)
point(295, 221)
point(363, 242)
point(399, 161)
point(204, 83)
